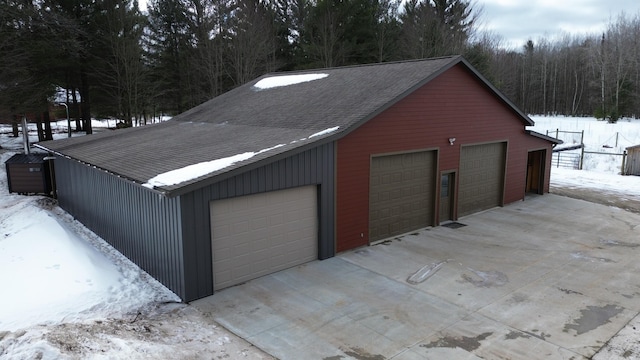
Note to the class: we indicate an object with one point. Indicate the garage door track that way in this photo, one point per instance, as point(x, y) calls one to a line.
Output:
point(550, 277)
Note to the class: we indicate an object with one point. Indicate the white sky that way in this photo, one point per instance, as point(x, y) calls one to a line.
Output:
point(519, 20)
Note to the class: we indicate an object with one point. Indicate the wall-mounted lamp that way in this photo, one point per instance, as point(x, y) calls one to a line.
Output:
point(451, 141)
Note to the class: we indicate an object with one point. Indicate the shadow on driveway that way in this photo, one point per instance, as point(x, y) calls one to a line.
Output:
point(551, 277)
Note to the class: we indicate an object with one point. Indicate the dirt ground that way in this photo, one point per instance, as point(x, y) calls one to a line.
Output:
point(168, 331)
point(598, 197)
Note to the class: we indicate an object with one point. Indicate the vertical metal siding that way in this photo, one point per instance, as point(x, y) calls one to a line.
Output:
point(142, 225)
point(312, 167)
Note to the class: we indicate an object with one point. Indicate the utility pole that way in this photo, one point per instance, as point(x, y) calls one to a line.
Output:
point(68, 119)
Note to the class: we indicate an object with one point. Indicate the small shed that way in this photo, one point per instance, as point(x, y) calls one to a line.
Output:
point(30, 173)
point(632, 165)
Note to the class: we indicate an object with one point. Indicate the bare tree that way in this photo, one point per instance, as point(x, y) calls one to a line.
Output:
point(251, 41)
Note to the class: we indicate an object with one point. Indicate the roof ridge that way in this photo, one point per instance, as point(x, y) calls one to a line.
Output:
point(317, 70)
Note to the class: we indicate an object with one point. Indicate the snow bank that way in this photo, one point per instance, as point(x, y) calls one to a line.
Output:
point(60, 275)
point(286, 80)
point(52, 269)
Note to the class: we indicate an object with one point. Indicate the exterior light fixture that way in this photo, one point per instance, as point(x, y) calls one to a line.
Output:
point(452, 140)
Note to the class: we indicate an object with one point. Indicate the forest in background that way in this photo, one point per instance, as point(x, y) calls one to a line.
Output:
point(114, 60)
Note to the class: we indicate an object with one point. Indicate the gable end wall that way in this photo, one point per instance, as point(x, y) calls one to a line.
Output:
point(455, 104)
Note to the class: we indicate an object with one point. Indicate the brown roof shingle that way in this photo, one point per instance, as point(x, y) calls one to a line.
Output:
point(248, 119)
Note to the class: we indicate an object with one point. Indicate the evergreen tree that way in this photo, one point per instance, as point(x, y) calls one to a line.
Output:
point(117, 68)
point(433, 28)
point(168, 44)
point(34, 42)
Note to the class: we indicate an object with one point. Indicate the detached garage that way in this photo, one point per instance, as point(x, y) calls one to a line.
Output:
point(294, 167)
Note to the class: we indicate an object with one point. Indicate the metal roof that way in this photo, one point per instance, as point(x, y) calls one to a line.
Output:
point(250, 119)
point(26, 159)
point(544, 137)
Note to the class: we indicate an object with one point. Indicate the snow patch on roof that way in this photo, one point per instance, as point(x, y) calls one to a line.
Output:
point(195, 171)
point(324, 132)
point(286, 80)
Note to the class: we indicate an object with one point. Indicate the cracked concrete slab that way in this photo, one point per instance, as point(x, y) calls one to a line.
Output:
point(550, 278)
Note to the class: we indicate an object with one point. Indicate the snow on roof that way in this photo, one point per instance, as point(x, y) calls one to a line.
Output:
point(286, 80)
point(324, 132)
point(195, 171)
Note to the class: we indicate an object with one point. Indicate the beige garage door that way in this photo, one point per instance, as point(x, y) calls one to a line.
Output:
point(481, 177)
point(256, 235)
point(401, 193)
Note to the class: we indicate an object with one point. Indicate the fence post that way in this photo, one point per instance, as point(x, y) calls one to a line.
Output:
point(617, 134)
point(624, 160)
point(581, 150)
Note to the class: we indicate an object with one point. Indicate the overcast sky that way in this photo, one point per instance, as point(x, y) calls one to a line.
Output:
point(519, 20)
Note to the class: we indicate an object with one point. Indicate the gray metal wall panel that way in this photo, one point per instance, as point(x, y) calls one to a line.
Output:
point(142, 225)
point(312, 167)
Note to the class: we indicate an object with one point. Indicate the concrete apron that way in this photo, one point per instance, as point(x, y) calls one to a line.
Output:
point(550, 277)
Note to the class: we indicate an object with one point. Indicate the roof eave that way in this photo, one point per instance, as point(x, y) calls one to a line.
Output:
point(544, 137)
point(135, 182)
point(212, 179)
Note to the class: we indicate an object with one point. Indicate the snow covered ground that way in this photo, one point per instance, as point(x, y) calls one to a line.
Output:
point(599, 180)
point(67, 294)
point(599, 136)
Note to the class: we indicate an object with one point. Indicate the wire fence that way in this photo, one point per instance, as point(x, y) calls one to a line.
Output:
point(567, 157)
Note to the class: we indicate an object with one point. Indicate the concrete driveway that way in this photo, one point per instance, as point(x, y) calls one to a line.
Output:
point(550, 277)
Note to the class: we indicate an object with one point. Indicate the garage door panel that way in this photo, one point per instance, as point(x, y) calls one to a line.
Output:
point(259, 234)
point(401, 193)
point(481, 177)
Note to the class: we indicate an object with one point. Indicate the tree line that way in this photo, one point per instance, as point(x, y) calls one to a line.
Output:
point(575, 75)
point(113, 60)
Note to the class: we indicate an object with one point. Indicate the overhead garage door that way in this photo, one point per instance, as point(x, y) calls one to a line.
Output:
point(401, 193)
point(481, 177)
point(256, 235)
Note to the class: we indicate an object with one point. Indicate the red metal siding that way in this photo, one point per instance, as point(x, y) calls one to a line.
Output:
point(455, 104)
